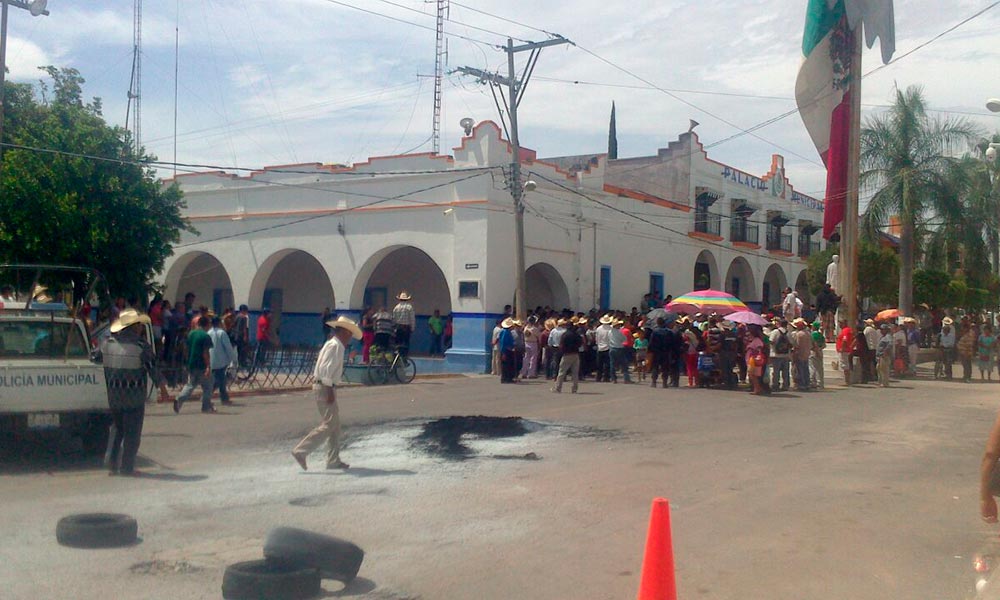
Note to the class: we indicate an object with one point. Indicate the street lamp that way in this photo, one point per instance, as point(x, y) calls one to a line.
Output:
point(36, 8)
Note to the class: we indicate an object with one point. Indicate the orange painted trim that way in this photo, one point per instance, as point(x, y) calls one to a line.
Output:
point(643, 197)
point(300, 213)
point(781, 253)
point(748, 245)
point(566, 173)
point(705, 236)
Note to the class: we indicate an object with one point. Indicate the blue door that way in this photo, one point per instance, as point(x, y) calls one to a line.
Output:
point(605, 288)
point(656, 284)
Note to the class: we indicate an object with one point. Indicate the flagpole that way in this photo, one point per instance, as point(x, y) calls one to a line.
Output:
point(849, 229)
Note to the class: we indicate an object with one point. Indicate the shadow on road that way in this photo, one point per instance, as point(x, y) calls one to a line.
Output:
point(175, 477)
point(363, 472)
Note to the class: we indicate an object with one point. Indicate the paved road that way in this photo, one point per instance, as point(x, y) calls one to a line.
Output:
point(861, 493)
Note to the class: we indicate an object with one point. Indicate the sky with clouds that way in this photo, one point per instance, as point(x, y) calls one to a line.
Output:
point(267, 83)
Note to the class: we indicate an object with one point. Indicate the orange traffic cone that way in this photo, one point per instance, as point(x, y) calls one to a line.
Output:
point(658, 581)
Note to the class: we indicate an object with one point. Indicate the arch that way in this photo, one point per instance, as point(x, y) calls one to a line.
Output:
point(296, 287)
point(774, 282)
point(802, 287)
point(545, 287)
point(203, 275)
point(397, 268)
point(740, 280)
point(706, 272)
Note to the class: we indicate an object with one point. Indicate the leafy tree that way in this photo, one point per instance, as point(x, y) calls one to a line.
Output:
point(878, 271)
point(904, 157)
point(67, 200)
point(931, 288)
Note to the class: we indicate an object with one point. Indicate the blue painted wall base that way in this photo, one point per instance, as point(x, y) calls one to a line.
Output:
point(470, 352)
point(471, 347)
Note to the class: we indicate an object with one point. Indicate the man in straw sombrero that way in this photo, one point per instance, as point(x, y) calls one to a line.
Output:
point(405, 319)
point(128, 360)
point(327, 376)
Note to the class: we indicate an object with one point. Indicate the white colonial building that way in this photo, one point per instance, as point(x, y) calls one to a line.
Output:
point(599, 233)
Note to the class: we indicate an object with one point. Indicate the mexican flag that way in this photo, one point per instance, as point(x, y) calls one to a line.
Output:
point(822, 88)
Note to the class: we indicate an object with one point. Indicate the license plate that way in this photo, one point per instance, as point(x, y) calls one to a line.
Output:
point(43, 420)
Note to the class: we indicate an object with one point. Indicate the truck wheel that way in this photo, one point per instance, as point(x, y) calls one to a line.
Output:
point(335, 558)
point(95, 434)
point(259, 579)
point(97, 530)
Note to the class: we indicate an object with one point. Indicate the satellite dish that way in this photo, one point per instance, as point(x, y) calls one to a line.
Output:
point(993, 104)
point(467, 124)
point(37, 7)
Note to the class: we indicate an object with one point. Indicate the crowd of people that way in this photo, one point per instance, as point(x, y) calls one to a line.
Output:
point(785, 350)
point(614, 347)
point(879, 351)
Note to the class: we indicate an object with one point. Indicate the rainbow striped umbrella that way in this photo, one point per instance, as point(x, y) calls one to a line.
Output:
point(707, 302)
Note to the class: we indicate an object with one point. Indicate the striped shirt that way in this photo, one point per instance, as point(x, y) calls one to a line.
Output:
point(403, 315)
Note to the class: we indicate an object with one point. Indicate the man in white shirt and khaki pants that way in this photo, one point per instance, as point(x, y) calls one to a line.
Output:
point(326, 377)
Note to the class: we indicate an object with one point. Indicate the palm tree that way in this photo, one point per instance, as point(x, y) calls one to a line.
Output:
point(967, 236)
point(905, 158)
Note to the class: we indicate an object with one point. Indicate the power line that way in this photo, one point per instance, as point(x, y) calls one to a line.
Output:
point(695, 106)
point(334, 213)
point(348, 101)
point(784, 115)
point(450, 20)
point(735, 94)
point(488, 14)
point(399, 20)
point(191, 166)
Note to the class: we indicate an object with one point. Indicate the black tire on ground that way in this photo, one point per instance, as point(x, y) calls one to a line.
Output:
point(266, 580)
point(97, 530)
point(335, 558)
point(405, 369)
point(378, 373)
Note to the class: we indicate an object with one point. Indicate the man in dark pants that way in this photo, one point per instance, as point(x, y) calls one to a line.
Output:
point(659, 350)
point(128, 360)
point(727, 356)
point(675, 343)
point(508, 355)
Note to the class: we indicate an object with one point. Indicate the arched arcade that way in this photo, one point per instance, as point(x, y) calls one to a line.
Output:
point(296, 287)
point(393, 270)
point(706, 272)
point(545, 287)
point(203, 275)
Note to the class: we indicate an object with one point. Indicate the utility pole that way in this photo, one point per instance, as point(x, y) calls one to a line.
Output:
point(514, 93)
point(36, 8)
point(440, 58)
point(135, 86)
point(849, 228)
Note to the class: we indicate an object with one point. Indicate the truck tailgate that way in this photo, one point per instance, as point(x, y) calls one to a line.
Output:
point(61, 387)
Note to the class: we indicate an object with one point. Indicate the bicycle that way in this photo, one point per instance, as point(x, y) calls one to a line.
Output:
point(381, 364)
point(247, 372)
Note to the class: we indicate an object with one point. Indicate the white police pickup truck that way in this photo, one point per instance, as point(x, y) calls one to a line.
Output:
point(48, 382)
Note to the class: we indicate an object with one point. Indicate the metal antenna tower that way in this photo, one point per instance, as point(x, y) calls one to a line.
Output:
point(135, 86)
point(440, 59)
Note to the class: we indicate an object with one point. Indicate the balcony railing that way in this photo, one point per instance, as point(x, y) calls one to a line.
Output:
point(742, 232)
point(807, 247)
point(779, 241)
point(708, 223)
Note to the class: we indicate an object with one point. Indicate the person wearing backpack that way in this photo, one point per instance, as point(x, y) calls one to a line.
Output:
point(781, 349)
